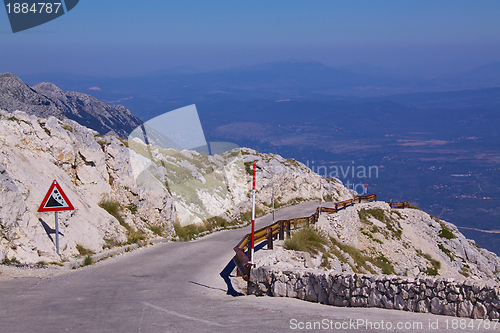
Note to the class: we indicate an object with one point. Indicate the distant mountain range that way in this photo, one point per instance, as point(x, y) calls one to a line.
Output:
point(46, 99)
point(150, 95)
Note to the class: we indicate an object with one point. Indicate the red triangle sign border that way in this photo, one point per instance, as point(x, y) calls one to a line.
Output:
point(47, 197)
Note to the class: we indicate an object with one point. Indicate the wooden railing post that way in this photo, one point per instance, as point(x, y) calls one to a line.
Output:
point(269, 238)
point(282, 230)
point(287, 228)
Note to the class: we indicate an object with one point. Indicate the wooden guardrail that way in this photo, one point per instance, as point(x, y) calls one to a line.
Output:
point(399, 204)
point(278, 229)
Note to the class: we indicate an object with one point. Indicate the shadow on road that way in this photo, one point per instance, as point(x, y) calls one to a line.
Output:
point(226, 272)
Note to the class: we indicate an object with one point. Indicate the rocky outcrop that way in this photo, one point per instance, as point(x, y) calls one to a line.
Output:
point(16, 95)
point(89, 111)
point(93, 171)
point(45, 99)
point(443, 296)
point(219, 185)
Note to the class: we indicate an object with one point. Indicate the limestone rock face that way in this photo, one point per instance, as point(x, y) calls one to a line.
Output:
point(140, 187)
point(220, 185)
point(90, 169)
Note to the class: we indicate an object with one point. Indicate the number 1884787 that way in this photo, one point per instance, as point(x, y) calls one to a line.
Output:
point(36, 8)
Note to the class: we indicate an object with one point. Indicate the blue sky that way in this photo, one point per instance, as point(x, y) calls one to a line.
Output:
point(120, 38)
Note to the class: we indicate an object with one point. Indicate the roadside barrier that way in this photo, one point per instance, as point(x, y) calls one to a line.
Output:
point(399, 204)
point(243, 259)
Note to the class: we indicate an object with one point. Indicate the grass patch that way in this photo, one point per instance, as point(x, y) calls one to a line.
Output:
point(41, 264)
point(447, 252)
point(369, 235)
point(393, 227)
point(11, 261)
point(445, 232)
point(111, 243)
point(249, 168)
point(328, 198)
point(475, 245)
point(465, 272)
point(435, 265)
point(42, 125)
point(83, 251)
point(135, 236)
point(125, 142)
point(132, 208)
point(67, 128)
point(114, 209)
point(192, 231)
point(361, 260)
point(56, 263)
point(188, 232)
point(156, 229)
point(306, 240)
point(384, 264)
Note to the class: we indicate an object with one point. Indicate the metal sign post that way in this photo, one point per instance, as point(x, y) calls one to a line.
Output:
point(57, 233)
point(55, 201)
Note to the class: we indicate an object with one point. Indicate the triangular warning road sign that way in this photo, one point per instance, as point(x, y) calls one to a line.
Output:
point(55, 200)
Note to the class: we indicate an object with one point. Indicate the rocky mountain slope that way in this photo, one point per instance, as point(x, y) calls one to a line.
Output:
point(372, 238)
point(45, 99)
point(120, 195)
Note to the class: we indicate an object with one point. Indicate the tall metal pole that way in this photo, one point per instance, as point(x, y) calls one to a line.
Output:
point(273, 203)
point(253, 214)
point(320, 196)
point(57, 233)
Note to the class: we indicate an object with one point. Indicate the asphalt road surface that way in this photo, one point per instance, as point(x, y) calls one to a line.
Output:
point(183, 287)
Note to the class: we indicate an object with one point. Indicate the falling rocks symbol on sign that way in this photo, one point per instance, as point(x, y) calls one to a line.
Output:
point(55, 200)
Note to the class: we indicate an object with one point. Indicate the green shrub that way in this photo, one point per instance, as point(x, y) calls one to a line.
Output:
point(360, 259)
point(445, 232)
point(114, 209)
point(135, 236)
point(447, 252)
point(392, 225)
point(384, 264)
point(435, 265)
point(188, 232)
point(67, 128)
point(41, 264)
point(156, 229)
point(12, 261)
point(88, 260)
point(132, 208)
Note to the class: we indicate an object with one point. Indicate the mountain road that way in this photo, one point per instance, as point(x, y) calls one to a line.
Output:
point(181, 287)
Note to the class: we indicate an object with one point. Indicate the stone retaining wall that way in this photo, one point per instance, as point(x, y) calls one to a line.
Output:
point(443, 296)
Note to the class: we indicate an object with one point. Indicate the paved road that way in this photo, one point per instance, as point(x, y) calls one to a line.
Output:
point(176, 287)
